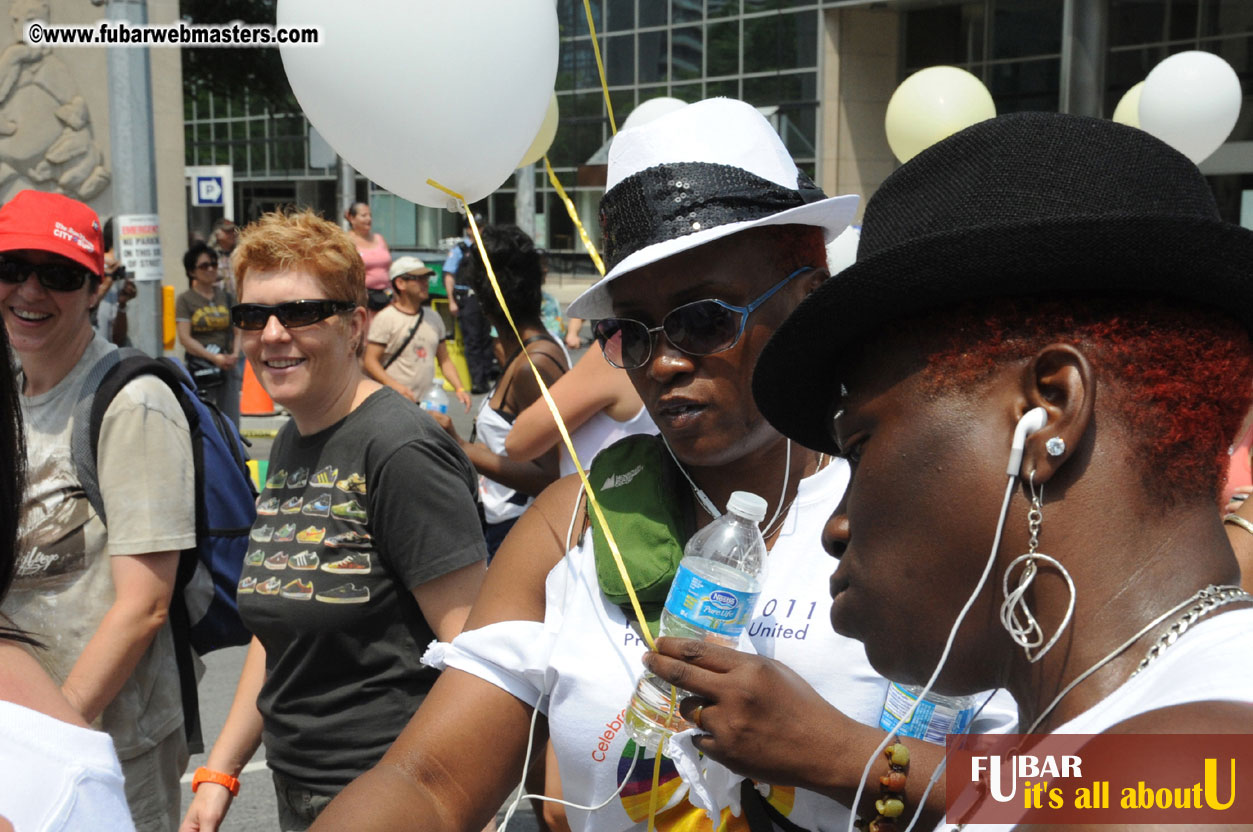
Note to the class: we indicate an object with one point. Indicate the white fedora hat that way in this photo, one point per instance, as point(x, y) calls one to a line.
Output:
point(703, 172)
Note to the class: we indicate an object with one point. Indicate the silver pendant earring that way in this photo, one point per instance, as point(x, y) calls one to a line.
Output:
point(1016, 615)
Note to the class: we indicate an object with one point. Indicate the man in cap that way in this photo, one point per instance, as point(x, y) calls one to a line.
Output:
point(98, 595)
point(406, 339)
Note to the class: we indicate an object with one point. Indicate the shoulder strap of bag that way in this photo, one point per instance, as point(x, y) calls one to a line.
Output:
point(392, 358)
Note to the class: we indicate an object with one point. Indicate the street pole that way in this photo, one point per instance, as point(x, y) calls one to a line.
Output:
point(1084, 24)
point(524, 202)
point(347, 189)
point(134, 166)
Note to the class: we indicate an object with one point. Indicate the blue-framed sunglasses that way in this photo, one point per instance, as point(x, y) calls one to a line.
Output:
point(702, 327)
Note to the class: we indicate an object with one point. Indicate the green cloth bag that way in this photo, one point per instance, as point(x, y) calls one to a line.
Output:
point(642, 494)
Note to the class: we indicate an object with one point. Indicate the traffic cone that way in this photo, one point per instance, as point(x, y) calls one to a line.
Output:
point(253, 400)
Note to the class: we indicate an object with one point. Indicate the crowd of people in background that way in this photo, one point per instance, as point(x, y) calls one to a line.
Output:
point(397, 682)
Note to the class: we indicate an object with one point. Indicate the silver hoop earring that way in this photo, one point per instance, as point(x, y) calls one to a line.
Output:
point(1016, 615)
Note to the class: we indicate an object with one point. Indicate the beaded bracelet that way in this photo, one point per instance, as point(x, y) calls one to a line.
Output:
point(891, 802)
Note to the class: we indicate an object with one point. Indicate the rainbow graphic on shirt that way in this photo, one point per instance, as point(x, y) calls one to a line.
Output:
point(683, 817)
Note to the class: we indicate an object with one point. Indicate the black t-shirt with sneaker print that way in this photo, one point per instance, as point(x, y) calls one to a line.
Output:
point(351, 519)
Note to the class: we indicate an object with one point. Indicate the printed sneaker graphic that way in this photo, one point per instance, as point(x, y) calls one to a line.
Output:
point(355, 484)
point(277, 480)
point(284, 533)
point(311, 535)
point(306, 560)
point(320, 507)
point(298, 590)
point(262, 534)
point(246, 586)
point(270, 587)
point(298, 478)
point(269, 506)
point(357, 563)
point(254, 558)
point(350, 540)
point(351, 511)
point(325, 478)
point(276, 561)
point(292, 506)
point(345, 594)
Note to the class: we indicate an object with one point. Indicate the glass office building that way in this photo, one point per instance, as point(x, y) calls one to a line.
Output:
point(821, 71)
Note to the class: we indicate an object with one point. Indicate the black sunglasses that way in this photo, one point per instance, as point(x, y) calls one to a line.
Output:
point(56, 277)
point(292, 314)
point(702, 327)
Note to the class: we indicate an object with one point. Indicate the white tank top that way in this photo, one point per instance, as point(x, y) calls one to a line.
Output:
point(582, 664)
point(500, 502)
point(601, 431)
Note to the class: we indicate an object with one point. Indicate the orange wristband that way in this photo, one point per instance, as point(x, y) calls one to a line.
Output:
point(208, 775)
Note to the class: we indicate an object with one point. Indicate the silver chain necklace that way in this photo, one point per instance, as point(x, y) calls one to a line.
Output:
point(1202, 603)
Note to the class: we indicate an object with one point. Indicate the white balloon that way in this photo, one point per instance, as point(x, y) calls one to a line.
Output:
point(1128, 110)
point(1191, 101)
point(407, 90)
point(933, 104)
point(651, 109)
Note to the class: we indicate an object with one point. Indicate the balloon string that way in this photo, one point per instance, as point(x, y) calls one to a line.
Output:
point(600, 66)
point(561, 425)
point(574, 217)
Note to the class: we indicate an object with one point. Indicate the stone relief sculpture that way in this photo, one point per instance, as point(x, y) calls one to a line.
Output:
point(46, 140)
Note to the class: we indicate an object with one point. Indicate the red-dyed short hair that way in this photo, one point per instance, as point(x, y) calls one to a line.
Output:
point(1180, 378)
point(805, 245)
point(280, 242)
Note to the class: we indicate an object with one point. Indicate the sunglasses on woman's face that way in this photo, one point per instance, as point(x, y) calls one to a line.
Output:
point(56, 277)
point(292, 314)
point(703, 327)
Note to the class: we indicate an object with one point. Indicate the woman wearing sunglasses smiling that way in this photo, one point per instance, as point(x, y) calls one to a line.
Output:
point(712, 236)
point(348, 577)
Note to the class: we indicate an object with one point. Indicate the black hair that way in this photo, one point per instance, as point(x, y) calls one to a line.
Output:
point(516, 263)
point(13, 460)
point(193, 254)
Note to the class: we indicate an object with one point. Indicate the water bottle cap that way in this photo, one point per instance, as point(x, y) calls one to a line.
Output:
point(747, 504)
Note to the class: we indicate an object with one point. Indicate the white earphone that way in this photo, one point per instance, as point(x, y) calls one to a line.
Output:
point(1032, 421)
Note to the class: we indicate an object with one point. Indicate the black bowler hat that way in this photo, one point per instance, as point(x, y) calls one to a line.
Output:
point(1024, 204)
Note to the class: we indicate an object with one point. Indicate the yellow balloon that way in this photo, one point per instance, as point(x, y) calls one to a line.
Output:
point(1128, 110)
point(543, 139)
point(932, 104)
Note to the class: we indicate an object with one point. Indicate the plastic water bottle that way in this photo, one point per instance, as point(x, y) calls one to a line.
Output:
point(712, 598)
point(935, 716)
point(436, 399)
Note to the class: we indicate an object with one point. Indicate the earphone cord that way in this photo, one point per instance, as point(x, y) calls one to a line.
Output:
point(948, 646)
point(530, 740)
point(708, 504)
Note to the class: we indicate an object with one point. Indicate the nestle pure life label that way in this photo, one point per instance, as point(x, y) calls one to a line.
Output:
point(709, 605)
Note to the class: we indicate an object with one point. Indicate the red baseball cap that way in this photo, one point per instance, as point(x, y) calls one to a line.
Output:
point(54, 223)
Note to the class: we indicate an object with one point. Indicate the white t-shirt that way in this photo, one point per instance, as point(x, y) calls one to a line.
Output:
point(1212, 662)
point(64, 585)
point(414, 366)
point(582, 663)
point(58, 776)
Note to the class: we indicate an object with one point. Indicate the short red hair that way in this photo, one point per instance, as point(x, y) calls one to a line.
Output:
point(1180, 378)
point(281, 242)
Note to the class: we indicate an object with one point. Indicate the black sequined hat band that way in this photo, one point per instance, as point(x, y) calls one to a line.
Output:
point(669, 201)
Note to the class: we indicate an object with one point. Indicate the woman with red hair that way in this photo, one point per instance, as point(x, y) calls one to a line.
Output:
point(1035, 370)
